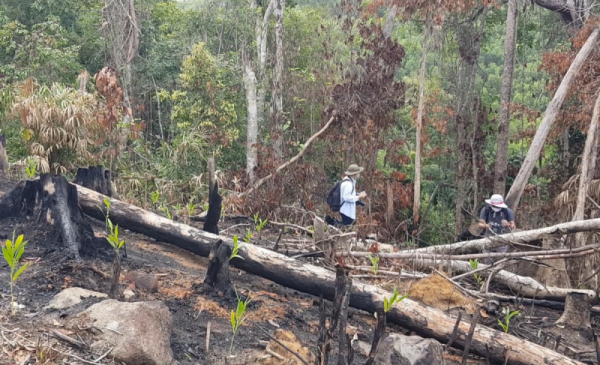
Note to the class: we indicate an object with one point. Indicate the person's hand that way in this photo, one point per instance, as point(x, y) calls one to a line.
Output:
point(362, 195)
point(505, 223)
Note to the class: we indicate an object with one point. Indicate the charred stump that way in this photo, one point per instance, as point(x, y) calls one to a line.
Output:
point(217, 275)
point(3, 156)
point(211, 224)
point(52, 200)
point(577, 312)
point(96, 178)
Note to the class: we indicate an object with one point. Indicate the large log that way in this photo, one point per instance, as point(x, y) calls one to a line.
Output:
point(410, 314)
point(522, 237)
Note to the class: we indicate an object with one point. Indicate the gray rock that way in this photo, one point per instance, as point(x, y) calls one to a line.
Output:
point(140, 332)
point(398, 349)
point(72, 296)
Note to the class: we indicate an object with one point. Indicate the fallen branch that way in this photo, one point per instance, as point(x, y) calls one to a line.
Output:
point(293, 159)
point(527, 286)
point(512, 238)
point(538, 255)
point(303, 229)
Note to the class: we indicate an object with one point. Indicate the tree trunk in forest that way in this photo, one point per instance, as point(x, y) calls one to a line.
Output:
point(3, 156)
point(217, 274)
point(211, 224)
point(510, 43)
point(277, 102)
point(577, 312)
point(516, 191)
point(252, 128)
point(412, 315)
point(419, 125)
point(587, 265)
point(262, 25)
point(469, 34)
point(553, 272)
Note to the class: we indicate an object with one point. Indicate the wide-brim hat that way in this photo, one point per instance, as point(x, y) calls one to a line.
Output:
point(354, 169)
point(496, 201)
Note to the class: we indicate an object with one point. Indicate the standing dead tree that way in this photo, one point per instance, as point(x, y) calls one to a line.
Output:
point(121, 32)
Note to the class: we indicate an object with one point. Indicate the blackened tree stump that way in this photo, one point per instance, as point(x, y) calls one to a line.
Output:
point(211, 224)
point(96, 178)
point(51, 200)
point(217, 274)
point(577, 312)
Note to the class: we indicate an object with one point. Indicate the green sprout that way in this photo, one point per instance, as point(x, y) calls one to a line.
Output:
point(507, 316)
point(166, 211)
point(31, 166)
point(12, 251)
point(154, 197)
point(191, 208)
point(374, 263)
point(117, 244)
point(238, 316)
point(236, 247)
point(248, 237)
point(396, 298)
point(259, 224)
point(474, 264)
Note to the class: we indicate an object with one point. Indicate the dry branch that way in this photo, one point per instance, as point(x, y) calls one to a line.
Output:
point(293, 159)
point(515, 238)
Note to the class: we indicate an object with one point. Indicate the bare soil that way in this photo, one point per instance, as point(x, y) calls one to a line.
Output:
point(26, 337)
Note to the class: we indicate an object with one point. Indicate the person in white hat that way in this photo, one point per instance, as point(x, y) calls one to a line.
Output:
point(348, 195)
point(496, 217)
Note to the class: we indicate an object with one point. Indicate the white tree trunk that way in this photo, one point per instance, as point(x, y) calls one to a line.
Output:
point(252, 128)
point(419, 126)
point(516, 191)
point(277, 103)
point(506, 97)
point(262, 25)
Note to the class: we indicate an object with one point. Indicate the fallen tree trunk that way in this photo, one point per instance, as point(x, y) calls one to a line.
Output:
point(516, 238)
point(424, 320)
point(524, 285)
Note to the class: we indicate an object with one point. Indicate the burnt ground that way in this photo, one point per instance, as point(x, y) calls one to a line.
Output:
point(26, 338)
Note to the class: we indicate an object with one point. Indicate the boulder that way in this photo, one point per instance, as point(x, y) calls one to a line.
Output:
point(397, 349)
point(140, 332)
point(72, 296)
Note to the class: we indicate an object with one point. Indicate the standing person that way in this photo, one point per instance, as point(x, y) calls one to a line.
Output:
point(496, 217)
point(348, 196)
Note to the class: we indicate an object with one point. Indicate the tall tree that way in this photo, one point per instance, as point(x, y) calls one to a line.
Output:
point(277, 96)
point(505, 98)
point(516, 191)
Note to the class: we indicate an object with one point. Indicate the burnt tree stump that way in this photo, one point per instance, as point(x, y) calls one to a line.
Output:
point(577, 312)
point(217, 274)
point(3, 157)
point(96, 178)
point(211, 224)
point(52, 200)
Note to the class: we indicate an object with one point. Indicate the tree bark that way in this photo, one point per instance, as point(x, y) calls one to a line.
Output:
point(252, 124)
point(510, 43)
point(587, 265)
point(412, 315)
point(277, 103)
point(217, 274)
point(96, 178)
point(262, 25)
point(419, 125)
point(577, 312)
point(516, 191)
point(3, 156)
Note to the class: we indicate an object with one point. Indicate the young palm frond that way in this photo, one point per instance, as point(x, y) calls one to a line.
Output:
point(58, 122)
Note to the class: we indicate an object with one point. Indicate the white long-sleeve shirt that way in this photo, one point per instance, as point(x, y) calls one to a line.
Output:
point(349, 197)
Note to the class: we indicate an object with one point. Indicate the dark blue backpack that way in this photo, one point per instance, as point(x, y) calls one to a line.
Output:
point(334, 198)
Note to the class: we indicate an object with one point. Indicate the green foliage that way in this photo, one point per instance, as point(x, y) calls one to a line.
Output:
point(155, 197)
point(236, 247)
point(396, 298)
point(238, 316)
point(112, 230)
point(507, 316)
point(31, 166)
point(166, 212)
point(248, 237)
point(374, 263)
point(259, 224)
point(191, 208)
point(12, 252)
point(474, 265)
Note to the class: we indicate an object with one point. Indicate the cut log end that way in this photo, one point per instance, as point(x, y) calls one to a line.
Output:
point(577, 312)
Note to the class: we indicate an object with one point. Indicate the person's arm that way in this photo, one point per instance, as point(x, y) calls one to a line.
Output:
point(511, 219)
point(483, 218)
